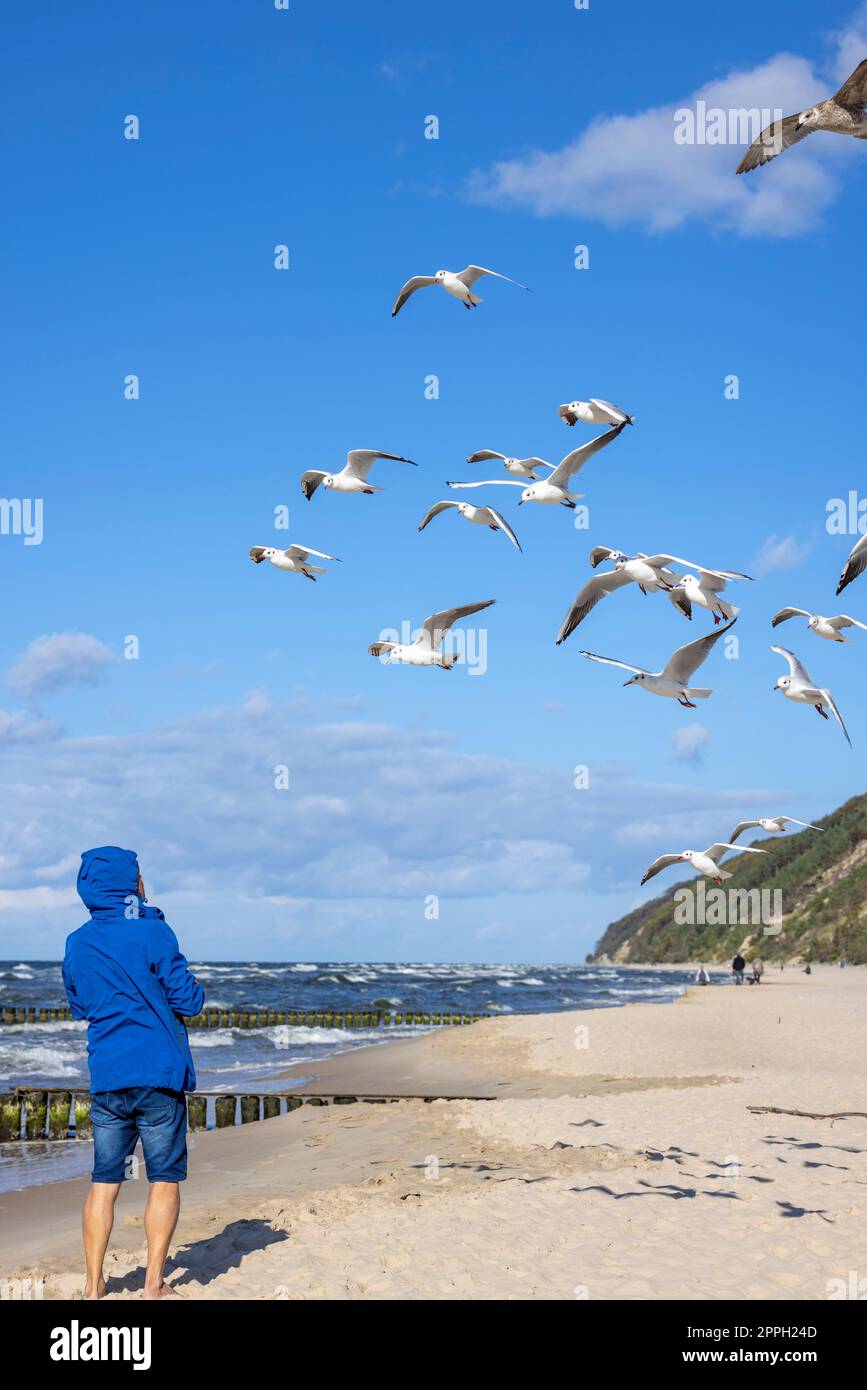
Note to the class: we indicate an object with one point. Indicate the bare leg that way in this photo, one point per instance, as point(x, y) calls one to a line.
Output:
point(96, 1226)
point(160, 1219)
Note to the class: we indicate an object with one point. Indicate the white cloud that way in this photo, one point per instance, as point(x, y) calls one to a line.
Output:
point(371, 812)
point(689, 743)
point(628, 168)
point(52, 662)
point(16, 726)
point(780, 553)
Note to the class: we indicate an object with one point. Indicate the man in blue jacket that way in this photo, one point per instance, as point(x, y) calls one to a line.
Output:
point(124, 973)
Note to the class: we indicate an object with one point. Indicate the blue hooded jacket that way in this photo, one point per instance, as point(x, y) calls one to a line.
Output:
point(124, 973)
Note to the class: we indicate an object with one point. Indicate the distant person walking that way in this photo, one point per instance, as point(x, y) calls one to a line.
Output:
point(124, 973)
point(758, 970)
point(739, 965)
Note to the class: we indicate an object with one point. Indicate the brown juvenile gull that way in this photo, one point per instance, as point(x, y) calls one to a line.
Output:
point(842, 114)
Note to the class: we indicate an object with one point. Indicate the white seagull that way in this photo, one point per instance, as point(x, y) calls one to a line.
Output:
point(843, 114)
point(774, 825)
point(352, 477)
point(458, 283)
point(479, 516)
point(519, 468)
point(798, 685)
point(426, 650)
point(294, 560)
point(594, 412)
point(705, 860)
point(649, 572)
point(706, 589)
point(554, 488)
point(672, 681)
point(829, 628)
point(855, 565)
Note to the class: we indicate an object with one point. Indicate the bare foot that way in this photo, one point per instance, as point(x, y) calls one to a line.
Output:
point(164, 1291)
point(100, 1290)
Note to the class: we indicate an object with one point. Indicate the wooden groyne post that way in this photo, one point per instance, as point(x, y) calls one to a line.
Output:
point(57, 1114)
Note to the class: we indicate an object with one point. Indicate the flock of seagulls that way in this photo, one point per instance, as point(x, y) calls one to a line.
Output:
point(707, 861)
point(686, 584)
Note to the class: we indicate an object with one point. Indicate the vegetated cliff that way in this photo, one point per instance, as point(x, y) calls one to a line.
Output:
point(822, 883)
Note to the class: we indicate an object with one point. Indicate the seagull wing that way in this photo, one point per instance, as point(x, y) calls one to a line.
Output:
point(437, 625)
point(482, 455)
point(310, 482)
point(775, 138)
point(661, 863)
point(418, 282)
point(604, 552)
point(570, 465)
point(786, 613)
point(716, 852)
point(686, 660)
point(504, 526)
point(435, 511)
point(793, 820)
point(493, 482)
point(475, 272)
point(796, 670)
point(681, 600)
point(612, 661)
point(300, 552)
point(829, 701)
point(741, 826)
point(854, 89)
point(620, 416)
point(599, 587)
point(359, 461)
point(567, 415)
point(712, 575)
point(257, 554)
point(843, 620)
point(855, 565)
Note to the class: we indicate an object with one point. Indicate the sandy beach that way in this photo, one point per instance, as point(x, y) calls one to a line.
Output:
point(618, 1160)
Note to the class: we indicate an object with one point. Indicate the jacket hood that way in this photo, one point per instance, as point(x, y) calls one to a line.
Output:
point(107, 877)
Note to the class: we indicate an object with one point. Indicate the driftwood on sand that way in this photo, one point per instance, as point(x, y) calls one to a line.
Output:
point(807, 1114)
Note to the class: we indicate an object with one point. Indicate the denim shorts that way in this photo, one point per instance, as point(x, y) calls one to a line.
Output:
point(121, 1118)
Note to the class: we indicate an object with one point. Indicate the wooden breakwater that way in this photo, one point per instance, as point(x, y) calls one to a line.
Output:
point(270, 1018)
point(58, 1114)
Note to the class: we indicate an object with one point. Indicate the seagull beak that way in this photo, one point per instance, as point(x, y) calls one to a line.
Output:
point(631, 681)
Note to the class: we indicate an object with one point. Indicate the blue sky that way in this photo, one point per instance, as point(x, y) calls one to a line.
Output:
point(155, 257)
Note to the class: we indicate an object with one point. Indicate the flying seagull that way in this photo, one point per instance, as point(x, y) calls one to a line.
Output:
point(855, 565)
point(351, 478)
point(798, 685)
point(594, 412)
point(458, 283)
point(672, 681)
point(706, 589)
point(649, 572)
point(479, 516)
point(829, 628)
point(554, 488)
point(843, 114)
point(294, 560)
point(426, 650)
point(774, 825)
point(519, 468)
point(705, 860)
